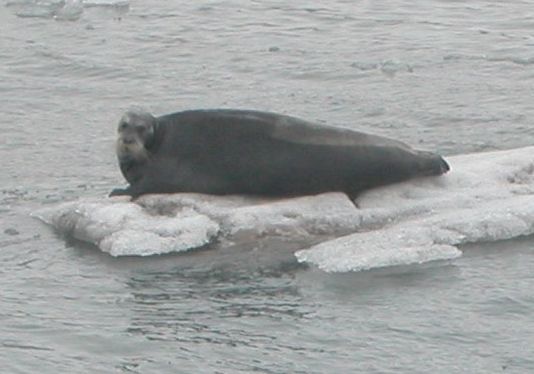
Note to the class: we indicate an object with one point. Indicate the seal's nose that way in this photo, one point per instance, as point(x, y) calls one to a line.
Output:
point(128, 140)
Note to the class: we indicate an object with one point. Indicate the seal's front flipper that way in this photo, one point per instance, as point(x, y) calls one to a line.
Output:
point(120, 192)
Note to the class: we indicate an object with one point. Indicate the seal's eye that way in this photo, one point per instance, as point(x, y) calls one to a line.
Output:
point(123, 126)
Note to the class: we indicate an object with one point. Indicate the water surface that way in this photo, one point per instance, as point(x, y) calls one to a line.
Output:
point(455, 77)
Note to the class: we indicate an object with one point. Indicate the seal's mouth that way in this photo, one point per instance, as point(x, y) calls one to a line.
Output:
point(131, 150)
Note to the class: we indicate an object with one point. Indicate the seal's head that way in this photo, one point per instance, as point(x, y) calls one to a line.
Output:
point(136, 131)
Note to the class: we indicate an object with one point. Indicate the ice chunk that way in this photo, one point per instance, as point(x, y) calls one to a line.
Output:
point(62, 10)
point(485, 197)
point(241, 216)
point(123, 228)
point(157, 224)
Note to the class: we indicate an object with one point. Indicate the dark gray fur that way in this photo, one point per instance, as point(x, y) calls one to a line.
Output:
point(257, 153)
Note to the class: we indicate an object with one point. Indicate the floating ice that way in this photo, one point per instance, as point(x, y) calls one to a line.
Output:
point(158, 224)
point(485, 197)
point(70, 11)
point(106, 3)
point(61, 10)
point(245, 218)
point(121, 228)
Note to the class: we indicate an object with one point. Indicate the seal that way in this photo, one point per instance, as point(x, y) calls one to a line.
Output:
point(224, 151)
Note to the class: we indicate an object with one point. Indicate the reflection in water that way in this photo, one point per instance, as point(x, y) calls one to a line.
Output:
point(195, 306)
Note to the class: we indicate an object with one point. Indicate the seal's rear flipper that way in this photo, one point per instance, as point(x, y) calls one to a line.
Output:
point(444, 166)
point(432, 164)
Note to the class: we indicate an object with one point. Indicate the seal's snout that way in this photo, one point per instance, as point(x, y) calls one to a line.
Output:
point(128, 140)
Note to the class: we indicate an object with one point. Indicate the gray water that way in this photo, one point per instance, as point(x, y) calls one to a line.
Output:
point(451, 76)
